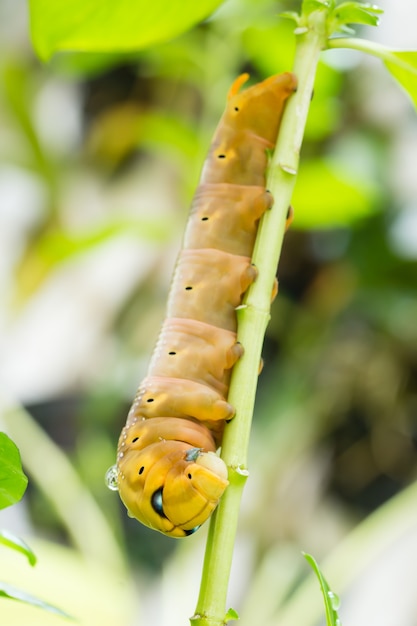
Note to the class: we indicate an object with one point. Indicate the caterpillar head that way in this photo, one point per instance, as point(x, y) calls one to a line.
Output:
point(166, 484)
point(259, 108)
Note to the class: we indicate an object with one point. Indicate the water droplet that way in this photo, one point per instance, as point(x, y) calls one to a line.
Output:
point(334, 600)
point(112, 478)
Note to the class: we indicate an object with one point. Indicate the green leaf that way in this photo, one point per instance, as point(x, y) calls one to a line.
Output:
point(315, 5)
point(8, 591)
point(108, 26)
point(291, 15)
point(403, 67)
point(354, 13)
point(402, 64)
point(325, 196)
point(231, 615)
point(57, 246)
point(9, 540)
point(13, 481)
point(331, 600)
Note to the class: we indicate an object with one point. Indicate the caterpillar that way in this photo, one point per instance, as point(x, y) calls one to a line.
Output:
point(168, 474)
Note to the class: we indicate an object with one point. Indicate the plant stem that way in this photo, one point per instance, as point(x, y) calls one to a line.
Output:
point(253, 318)
point(369, 47)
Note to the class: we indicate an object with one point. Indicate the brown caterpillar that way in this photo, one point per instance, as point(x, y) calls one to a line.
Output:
point(168, 474)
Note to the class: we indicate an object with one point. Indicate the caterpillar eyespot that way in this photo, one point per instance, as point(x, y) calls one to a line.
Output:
point(179, 427)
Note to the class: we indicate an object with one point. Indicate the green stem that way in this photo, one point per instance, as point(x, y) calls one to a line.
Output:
point(387, 55)
point(253, 318)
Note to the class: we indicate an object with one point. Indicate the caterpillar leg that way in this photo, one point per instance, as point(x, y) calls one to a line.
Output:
point(264, 202)
point(274, 290)
point(234, 354)
point(248, 276)
point(197, 351)
point(290, 217)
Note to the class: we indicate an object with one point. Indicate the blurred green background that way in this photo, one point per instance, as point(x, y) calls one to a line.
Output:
point(99, 158)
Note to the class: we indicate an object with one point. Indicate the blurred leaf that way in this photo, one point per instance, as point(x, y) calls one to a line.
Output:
point(271, 46)
point(404, 69)
point(324, 114)
point(8, 591)
point(18, 544)
point(106, 26)
point(16, 80)
point(323, 118)
point(123, 128)
point(93, 593)
point(57, 246)
point(162, 129)
point(90, 64)
point(60, 245)
point(326, 197)
point(13, 481)
point(331, 600)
